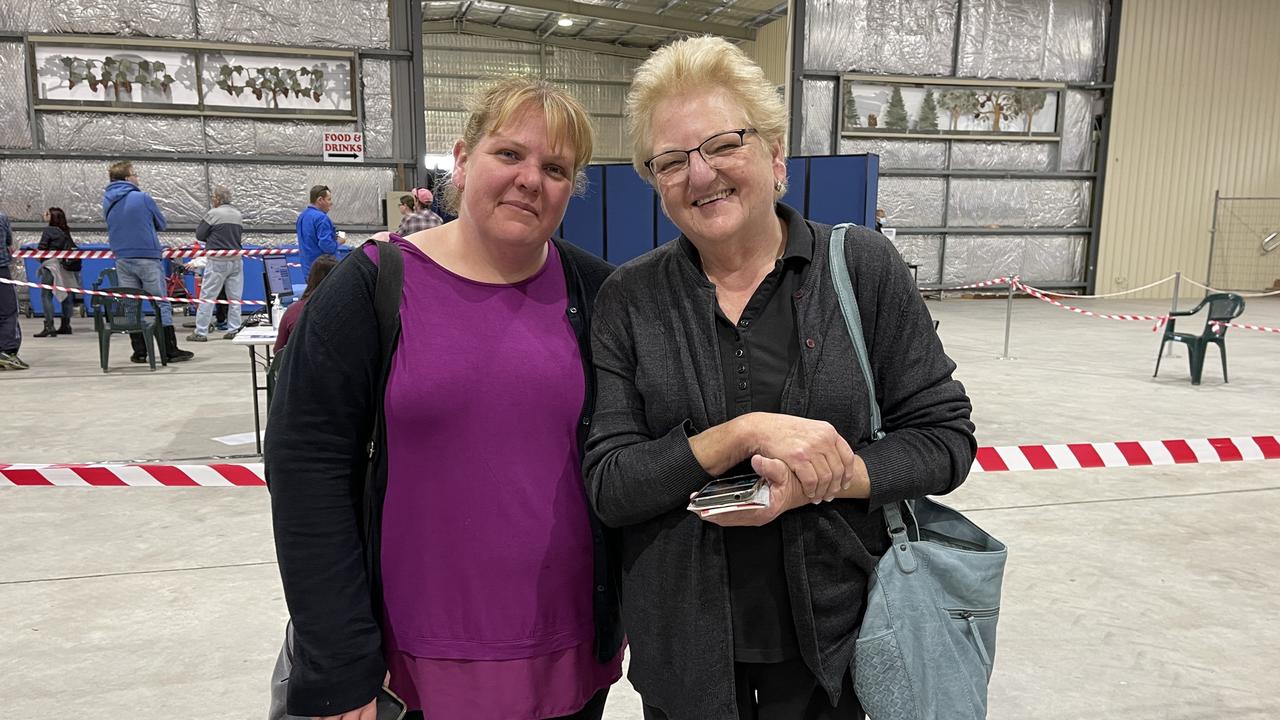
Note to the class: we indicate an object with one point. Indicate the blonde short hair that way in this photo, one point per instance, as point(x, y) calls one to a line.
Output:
point(497, 101)
point(705, 63)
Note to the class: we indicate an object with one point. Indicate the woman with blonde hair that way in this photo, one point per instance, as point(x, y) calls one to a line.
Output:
point(723, 353)
point(471, 568)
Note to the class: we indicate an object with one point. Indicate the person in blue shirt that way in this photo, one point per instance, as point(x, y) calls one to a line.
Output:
point(133, 220)
point(316, 234)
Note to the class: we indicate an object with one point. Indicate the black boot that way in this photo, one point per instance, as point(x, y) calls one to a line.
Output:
point(139, 344)
point(48, 328)
point(172, 353)
point(65, 327)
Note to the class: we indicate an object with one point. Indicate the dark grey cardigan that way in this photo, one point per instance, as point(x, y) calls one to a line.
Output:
point(659, 382)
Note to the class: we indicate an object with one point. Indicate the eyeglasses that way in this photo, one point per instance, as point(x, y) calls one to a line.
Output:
point(718, 151)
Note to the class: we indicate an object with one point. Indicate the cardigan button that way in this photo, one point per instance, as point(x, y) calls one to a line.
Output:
point(599, 588)
point(809, 343)
point(573, 311)
point(586, 419)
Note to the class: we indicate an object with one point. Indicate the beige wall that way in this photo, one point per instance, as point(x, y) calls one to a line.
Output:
point(1196, 109)
point(770, 50)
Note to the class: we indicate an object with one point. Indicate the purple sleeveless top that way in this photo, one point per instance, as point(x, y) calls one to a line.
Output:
point(486, 544)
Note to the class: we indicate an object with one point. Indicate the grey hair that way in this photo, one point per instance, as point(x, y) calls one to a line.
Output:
point(222, 194)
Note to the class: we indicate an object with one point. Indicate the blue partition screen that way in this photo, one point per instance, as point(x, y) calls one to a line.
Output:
point(621, 217)
point(628, 214)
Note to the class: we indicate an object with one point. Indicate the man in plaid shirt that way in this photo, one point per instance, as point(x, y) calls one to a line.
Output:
point(415, 210)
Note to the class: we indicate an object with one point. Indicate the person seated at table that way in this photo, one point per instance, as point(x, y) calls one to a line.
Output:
point(319, 270)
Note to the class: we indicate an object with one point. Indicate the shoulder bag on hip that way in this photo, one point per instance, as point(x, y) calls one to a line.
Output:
point(927, 642)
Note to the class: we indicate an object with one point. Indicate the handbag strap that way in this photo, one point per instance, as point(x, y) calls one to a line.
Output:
point(853, 321)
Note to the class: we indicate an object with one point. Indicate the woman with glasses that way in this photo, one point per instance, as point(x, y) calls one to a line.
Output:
point(723, 353)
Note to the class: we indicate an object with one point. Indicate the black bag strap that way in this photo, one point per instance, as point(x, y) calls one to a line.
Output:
point(386, 308)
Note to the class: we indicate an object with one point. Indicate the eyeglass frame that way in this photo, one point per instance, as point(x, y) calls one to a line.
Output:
point(741, 133)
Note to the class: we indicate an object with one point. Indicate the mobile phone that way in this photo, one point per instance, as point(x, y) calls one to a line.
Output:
point(727, 491)
point(390, 706)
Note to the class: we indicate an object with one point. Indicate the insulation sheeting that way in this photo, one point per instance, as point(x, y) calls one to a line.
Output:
point(1026, 156)
point(1019, 203)
point(1036, 258)
point(153, 18)
point(1031, 39)
point(925, 251)
point(610, 140)
point(819, 102)
point(235, 136)
point(122, 133)
point(473, 63)
point(25, 16)
point(448, 93)
point(1077, 132)
point(564, 64)
point(276, 194)
point(912, 201)
point(899, 154)
point(339, 23)
point(378, 132)
point(903, 37)
point(15, 125)
point(443, 129)
point(76, 186)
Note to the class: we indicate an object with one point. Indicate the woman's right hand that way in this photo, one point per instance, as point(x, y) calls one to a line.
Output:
point(820, 458)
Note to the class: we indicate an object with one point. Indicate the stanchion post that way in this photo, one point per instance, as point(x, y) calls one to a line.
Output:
point(1177, 283)
point(1008, 318)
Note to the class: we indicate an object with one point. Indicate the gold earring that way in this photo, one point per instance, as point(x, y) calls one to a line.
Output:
point(778, 186)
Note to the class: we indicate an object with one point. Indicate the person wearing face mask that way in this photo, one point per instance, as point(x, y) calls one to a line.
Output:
point(490, 594)
point(725, 352)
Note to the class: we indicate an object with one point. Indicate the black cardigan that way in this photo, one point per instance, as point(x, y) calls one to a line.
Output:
point(327, 522)
point(660, 381)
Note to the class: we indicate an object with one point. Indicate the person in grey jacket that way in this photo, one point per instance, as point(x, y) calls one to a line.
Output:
point(220, 229)
point(725, 352)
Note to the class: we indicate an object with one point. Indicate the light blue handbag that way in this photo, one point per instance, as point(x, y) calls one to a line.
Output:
point(928, 639)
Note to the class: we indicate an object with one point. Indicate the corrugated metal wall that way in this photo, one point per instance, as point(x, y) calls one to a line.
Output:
point(1196, 110)
point(770, 50)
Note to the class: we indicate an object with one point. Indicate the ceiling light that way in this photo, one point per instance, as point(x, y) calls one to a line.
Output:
point(565, 22)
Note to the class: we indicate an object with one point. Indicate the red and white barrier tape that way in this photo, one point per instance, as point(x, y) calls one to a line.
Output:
point(990, 459)
point(127, 296)
point(1038, 294)
point(984, 283)
point(1245, 326)
point(249, 475)
point(1127, 454)
point(165, 252)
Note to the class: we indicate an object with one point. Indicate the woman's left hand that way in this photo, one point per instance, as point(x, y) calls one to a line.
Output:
point(785, 493)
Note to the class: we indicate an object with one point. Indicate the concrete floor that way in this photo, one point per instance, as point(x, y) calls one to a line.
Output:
point(1141, 594)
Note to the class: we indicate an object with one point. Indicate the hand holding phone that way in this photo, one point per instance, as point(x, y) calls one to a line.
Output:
point(732, 493)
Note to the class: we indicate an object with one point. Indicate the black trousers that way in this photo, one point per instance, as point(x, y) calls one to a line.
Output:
point(783, 691)
point(593, 710)
point(10, 332)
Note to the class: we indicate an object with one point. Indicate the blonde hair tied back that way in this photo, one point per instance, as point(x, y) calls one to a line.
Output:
point(499, 100)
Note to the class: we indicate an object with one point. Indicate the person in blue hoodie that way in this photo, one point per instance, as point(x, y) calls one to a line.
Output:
point(132, 223)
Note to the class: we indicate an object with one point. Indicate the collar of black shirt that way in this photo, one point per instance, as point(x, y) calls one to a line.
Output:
point(799, 239)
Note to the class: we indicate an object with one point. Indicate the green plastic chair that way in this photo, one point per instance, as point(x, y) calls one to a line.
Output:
point(122, 315)
point(1223, 308)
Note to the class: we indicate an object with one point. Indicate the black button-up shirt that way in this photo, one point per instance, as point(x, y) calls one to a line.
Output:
point(757, 356)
